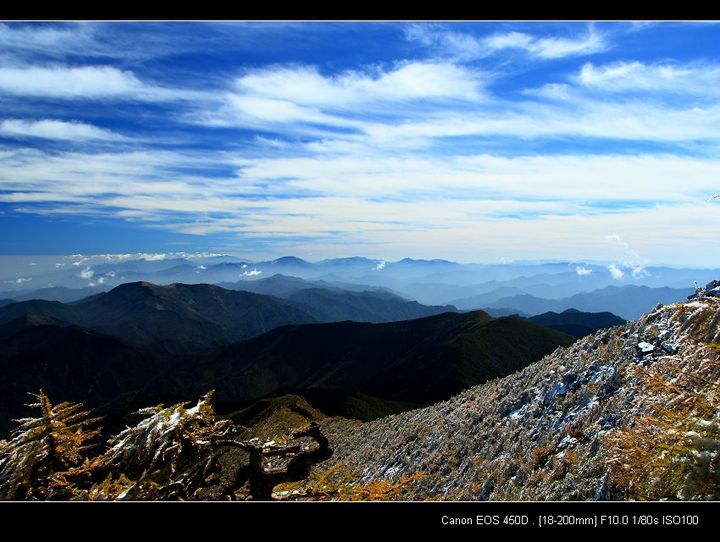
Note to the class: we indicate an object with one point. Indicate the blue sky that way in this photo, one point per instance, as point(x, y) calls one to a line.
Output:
point(472, 142)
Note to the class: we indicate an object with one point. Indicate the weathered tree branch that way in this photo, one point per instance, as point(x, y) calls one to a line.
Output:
point(263, 478)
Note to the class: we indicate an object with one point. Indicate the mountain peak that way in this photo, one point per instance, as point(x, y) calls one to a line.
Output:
point(290, 260)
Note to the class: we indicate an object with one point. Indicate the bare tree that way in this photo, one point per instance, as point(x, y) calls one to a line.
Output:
point(262, 476)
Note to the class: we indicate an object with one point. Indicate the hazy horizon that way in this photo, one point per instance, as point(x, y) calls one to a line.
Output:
point(256, 258)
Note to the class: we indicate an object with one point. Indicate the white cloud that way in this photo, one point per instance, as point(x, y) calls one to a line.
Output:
point(616, 272)
point(21, 280)
point(280, 111)
point(628, 120)
point(376, 199)
point(153, 257)
point(87, 273)
point(251, 273)
point(583, 271)
point(549, 47)
point(456, 45)
point(414, 106)
point(699, 79)
point(291, 97)
point(553, 47)
point(405, 82)
point(380, 266)
point(55, 129)
point(462, 46)
point(46, 39)
point(84, 82)
point(632, 259)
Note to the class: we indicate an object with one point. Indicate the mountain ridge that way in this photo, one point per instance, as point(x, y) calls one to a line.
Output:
point(626, 413)
point(351, 368)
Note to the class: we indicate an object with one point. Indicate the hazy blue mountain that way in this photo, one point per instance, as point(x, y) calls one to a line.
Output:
point(334, 305)
point(628, 302)
point(435, 293)
point(335, 302)
point(280, 285)
point(432, 282)
point(485, 299)
point(55, 293)
point(141, 265)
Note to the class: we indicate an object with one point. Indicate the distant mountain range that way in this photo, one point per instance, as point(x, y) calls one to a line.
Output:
point(182, 316)
point(629, 302)
point(178, 316)
point(55, 293)
point(280, 285)
point(338, 301)
point(430, 282)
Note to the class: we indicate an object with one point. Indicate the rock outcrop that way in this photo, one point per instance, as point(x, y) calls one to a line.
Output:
point(628, 413)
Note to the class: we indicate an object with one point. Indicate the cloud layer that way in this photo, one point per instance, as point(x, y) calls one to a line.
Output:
point(472, 142)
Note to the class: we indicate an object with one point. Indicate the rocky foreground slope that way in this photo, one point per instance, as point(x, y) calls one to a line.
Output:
point(631, 412)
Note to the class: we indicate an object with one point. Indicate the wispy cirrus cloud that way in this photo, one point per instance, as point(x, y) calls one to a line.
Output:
point(449, 151)
point(466, 47)
point(55, 129)
point(381, 200)
point(552, 47)
point(46, 39)
point(83, 83)
point(415, 103)
point(699, 79)
point(404, 82)
point(289, 98)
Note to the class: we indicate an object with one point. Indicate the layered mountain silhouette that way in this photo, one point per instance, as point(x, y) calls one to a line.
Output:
point(356, 369)
point(178, 316)
point(197, 316)
point(55, 293)
point(626, 301)
point(280, 285)
point(338, 301)
point(415, 361)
